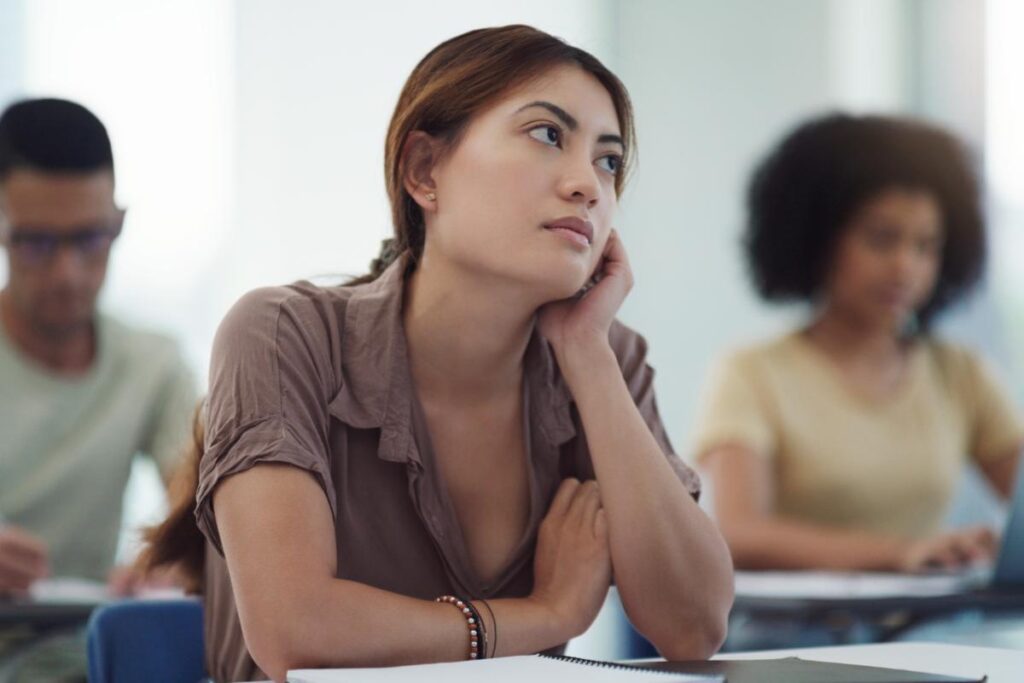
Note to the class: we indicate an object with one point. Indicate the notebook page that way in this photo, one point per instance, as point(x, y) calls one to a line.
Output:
point(501, 670)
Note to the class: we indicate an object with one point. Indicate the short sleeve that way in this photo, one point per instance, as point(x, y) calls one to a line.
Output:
point(631, 351)
point(271, 380)
point(734, 409)
point(995, 429)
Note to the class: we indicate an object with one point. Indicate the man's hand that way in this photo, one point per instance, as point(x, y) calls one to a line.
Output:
point(23, 559)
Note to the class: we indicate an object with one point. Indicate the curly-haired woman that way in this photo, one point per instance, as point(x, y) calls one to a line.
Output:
point(840, 445)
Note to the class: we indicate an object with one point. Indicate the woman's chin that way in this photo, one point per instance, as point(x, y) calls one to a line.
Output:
point(565, 288)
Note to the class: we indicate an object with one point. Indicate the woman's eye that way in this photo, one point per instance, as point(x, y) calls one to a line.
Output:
point(611, 163)
point(549, 135)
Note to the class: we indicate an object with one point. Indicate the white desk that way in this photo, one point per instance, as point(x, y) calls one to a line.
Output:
point(1001, 666)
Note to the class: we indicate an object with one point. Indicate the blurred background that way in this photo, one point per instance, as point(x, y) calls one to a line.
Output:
point(248, 139)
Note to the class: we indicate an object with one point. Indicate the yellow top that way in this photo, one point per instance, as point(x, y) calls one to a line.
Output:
point(841, 459)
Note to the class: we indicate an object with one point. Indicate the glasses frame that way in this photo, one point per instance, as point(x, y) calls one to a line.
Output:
point(9, 232)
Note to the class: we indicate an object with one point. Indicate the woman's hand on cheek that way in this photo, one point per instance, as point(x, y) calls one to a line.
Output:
point(582, 323)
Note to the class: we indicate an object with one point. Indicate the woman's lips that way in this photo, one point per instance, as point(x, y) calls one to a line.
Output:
point(574, 229)
point(572, 236)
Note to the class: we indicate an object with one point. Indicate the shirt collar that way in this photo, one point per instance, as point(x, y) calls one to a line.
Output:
point(377, 388)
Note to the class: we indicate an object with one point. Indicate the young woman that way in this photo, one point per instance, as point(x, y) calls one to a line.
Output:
point(839, 445)
point(424, 432)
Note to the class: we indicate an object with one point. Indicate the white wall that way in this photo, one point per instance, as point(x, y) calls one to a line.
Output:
point(11, 67)
point(160, 76)
point(715, 84)
point(11, 48)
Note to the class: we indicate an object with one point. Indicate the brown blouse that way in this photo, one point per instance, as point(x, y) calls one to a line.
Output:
point(319, 378)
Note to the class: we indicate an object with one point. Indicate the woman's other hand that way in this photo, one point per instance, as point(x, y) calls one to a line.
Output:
point(951, 550)
point(572, 568)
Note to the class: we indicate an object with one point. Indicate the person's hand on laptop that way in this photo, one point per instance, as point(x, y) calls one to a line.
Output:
point(23, 559)
point(950, 550)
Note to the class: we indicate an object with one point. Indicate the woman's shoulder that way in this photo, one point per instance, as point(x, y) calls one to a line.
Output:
point(298, 296)
point(779, 352)
point(955, 362)
point(274, 315)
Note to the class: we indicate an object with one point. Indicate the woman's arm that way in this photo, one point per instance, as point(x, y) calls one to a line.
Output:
point(671, 565)
point(760, 539)
point(278, 537)
point(1002, 472)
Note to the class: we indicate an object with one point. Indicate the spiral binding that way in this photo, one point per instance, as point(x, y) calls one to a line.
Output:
point(607, 665)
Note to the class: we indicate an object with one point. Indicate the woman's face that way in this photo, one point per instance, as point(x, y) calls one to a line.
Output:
point(528, 193)
point(888, 258)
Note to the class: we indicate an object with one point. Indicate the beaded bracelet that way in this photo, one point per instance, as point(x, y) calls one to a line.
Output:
point(494, 624)
point(477, 641)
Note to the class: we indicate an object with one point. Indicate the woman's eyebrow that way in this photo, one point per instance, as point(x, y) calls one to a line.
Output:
point(570, 121)
point(614, 139)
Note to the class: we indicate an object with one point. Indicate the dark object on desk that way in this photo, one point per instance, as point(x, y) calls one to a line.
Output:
point(797, 670)
point(44, 615)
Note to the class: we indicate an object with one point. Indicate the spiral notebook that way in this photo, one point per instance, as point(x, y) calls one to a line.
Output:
point(543, 669)
point(532, 668)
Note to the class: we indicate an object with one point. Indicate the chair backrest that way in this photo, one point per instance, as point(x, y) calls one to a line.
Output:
point(158, 641)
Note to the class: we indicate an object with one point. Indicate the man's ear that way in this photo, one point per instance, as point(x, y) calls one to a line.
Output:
point(420, 154)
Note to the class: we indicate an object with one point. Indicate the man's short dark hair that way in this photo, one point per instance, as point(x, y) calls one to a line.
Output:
point(53, 135)
point(806, 190)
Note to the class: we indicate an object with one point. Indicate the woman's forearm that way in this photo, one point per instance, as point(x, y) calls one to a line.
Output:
point(672, 567)
point(778, 543)
point(278, 536)
point(343, 623)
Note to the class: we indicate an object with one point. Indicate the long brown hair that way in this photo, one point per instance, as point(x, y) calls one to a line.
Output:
point(456, 80)
point(177, 542)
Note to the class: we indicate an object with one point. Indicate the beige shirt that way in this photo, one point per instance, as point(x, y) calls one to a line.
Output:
point(840, 459)
point(67, 445)
point(319, 378)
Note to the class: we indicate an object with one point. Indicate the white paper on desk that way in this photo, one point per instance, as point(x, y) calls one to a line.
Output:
point(71, 590)
point(846, 585)
point(501, 670)
point(68, 590)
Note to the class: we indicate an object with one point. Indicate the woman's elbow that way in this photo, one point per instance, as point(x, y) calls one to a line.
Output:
point(273, 642)
point(699, 632)
point(273, 659)
point(696, 642)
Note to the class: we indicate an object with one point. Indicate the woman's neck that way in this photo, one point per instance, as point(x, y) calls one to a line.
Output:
point(467, 335)
point(849, 339)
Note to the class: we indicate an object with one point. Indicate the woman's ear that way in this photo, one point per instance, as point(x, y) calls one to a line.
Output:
point(419, 156)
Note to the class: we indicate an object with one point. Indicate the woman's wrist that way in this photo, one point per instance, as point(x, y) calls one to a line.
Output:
point(546, 618)
point(582, 358)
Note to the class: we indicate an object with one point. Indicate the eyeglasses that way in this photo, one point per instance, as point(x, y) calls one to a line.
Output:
point(36, 248)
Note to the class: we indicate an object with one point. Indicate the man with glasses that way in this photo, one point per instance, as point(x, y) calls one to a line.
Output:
point(80, 393)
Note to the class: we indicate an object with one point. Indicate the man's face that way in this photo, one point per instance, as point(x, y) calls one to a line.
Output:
point(57, 229)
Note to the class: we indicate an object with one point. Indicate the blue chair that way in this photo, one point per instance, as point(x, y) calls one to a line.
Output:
point(158, 641)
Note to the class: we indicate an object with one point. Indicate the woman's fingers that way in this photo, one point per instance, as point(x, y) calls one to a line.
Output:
point(578, 505)
point(564, 497)
point(601, 527)
point(977, 544)
point(589, 498)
